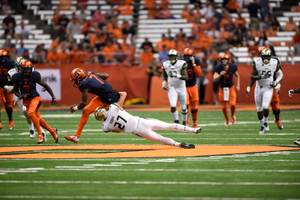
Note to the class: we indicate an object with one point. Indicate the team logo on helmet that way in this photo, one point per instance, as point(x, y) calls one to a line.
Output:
point(187, 54)
point(266, 55)
point(77, 75)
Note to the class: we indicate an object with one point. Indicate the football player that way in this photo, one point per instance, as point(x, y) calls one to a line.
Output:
point(7, 99)
point(291, 93)
point(262, 72)
point(175, 73)
point(194, 71)
point(8, 88)
point(25, 88)
point(117, 120)
point(93, 83)
point(227, 92)
point(275, 98)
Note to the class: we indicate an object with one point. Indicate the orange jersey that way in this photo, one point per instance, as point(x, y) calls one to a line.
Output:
point(63, 57)
point(124, 9)
point(110, 50)
point(75, 57)
point(146, 57)
point(52, 57)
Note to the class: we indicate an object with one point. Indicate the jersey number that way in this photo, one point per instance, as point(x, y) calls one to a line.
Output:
point(4, 73)
point(269, 73)
point(94, 76)
point(118, 125)
point(191, 73)
point(225, 79)
point(26, 87)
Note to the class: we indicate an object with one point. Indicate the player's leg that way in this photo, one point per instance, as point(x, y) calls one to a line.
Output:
point(172, 95)
point(194, 105)
point(276, 109)
point(267, 97)
point(224, 106)
point(188, 105)
point(9, 101)
point(43, 123)
point(24, 112)
point(259, 108)
point(181, 91)
point(232, 102)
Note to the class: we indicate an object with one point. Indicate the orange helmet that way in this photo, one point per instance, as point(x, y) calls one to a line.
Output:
point(26, 67)
point(225, 56)
point(187, 53)
point(3, 56)
point(77, 75)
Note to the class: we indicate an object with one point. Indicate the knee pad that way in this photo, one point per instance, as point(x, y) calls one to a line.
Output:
point(276, 112)
point(173, 109)
point(184, 112)
point(194, 111)
point(259, 109)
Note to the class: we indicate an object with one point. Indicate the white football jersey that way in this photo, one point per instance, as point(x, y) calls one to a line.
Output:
point(178, 66)
point(263, 68)
point(119, 120)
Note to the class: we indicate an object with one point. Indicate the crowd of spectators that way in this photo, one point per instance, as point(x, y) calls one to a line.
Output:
point(102, 32)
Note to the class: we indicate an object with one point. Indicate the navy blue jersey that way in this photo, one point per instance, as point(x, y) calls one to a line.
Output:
point(27, 85)
point(192, 76)
point(4, 68)
point(99, 87)
point(226, 80)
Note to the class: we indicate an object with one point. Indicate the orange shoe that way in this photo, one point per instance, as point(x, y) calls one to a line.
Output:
point(195, 125)
point(227, 123)
point(41, 139)
point(0, 126)
point(73, 138)
point(233, 120)
point(280, 126)
point(10, 125)
point(55, 136)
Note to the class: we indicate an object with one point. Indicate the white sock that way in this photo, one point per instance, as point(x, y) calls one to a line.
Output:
point(184, 115)
point(175, 115)
point(31, 127)
point(265, 119)
point(261, 122)
point(42, 130)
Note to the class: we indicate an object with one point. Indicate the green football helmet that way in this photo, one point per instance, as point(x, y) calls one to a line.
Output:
point(173, 56)
point(18, 62)
point(266, 55)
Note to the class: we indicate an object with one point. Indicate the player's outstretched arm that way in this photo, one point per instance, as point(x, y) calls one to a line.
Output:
point(237, 76)
point(104, 76)
point(49, 90)
point(121, 99)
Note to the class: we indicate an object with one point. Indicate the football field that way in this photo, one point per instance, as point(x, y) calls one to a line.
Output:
point(234, 162)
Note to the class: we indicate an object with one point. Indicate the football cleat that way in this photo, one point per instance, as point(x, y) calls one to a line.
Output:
point(41, 139)
point(297, 142)
point(31, 134)
point(10, 125)
point(187, 146)
point(279, 125)
point(54, 135)
point(197, 130)
point(233, 120)
point(72, 138)
point(261, 130)
point(227, 123)
point(266, 126)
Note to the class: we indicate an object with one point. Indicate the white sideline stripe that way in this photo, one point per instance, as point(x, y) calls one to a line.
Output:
point(149, 182)
point(122, 197)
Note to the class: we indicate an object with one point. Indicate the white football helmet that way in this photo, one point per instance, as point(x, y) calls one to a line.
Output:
point(173, 56)
point(266, 55)
point(18, 62)
point(100, 113)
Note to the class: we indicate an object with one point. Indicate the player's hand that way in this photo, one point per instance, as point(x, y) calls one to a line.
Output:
point(54, 101)
point(222, 73)
point(73, 109)
point(23, 96)
point(277, 88)
point(248, 90)
point(192, 59)
point(291, 93)
point(5, 88)
point(43, 89)
point(273, 84)
point(266, 75)
point(164, 85)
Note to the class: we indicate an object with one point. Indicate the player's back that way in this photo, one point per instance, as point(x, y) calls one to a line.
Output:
point(119, 120)
point(263, 68)
point(4, 68)
point(177, 67)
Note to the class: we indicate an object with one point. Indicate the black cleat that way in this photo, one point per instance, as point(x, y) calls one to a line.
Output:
point(187, 146)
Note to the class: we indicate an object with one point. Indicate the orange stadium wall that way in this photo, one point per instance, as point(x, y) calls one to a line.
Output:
point(291, 80)
point(134, 81)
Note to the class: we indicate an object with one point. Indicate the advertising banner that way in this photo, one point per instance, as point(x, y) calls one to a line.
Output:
point(53, 79)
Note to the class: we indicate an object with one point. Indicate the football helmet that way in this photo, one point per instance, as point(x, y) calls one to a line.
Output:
point(100, 113)
point(26, 68)
point(77, 75)
point(187, 54)
point(224, 56)
point(18, 62)
point(3, 56)
point(266, 55)
point(173, 56)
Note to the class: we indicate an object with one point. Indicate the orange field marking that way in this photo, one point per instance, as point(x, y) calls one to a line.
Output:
point(134, 151)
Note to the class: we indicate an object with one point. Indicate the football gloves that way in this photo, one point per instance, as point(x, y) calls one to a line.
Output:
point(73, 109)
point(54, 101)
point(23, 96)
point(277, 88)
point(248, 90)
point(192, 59)
point(164, 85)
point(273, 84)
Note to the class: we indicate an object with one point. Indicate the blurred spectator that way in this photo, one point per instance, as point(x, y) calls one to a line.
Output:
point(296, 37)
point(21, 49)
point(290, 25)
point(5, 7)
point(191, 18)
point(275, 24)
point(52, 57)
point(128, 54)
point(45, 5)
point(56, 16)
point(214, 34)
point(13, 52)
point(164, 2)
point(163, 41)
point(196, 3)
point(87, 56)
point(148, 3)
point(248, 37)
point(146, 56)
point(38, 55)
point(61, 28)
point(225, 19)
point(7, 44)
point(253, 8)
point(207, 10)
point(55, 43)
point(129, 29)
point(185, 12)
point(74, 16)
point(96, 37)
point(240, 24)
point(9, 31)
point(253, 50)
point(216, 23)
point(265, 9)
point(26, 55)
point(118, 48)
point(234, 41)
point(82, 3)
point(87, 26)
point(178, 44)
point(262, 38)
point(109, 52)
point(218, 15)
point(63, 55)
point(163, 55)
point(75, 55)
point(23, 31)
point(206, 42)
point(148, 44)
point(123, 9)
point(98, 15)
point(232, 6)
point(63, 20)
point(83, 14)
point(153, 11)
point(169, 34)
point(208, 24)
point(7, 20)
point(73, 27)
point(265, 25)
point(65, 4)
point(230, 27)
point(165, 13)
